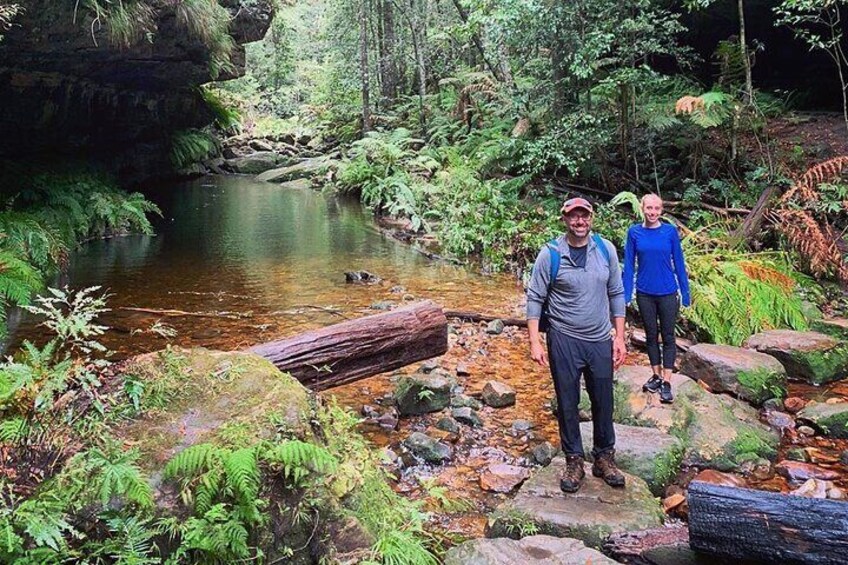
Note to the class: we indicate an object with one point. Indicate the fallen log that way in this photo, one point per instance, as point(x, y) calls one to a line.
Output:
point(476, 317)
point(360, 348)
point(637, 338)
point(767, 527)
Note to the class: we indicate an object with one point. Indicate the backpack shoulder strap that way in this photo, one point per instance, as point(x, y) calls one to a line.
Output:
point(556, 257)
point(602, 246)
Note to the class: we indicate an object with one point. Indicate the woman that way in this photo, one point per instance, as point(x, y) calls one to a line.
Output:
point(653, 256)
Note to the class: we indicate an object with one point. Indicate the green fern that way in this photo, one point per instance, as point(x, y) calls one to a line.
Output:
point(191, 146)
point(191, 461)
point(113, 473)
point(298, 459)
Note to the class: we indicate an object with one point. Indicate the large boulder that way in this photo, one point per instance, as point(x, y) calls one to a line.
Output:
point(544, 550)
point(255, 163)
point(830, 418)
point(811, 356)
point(747, 374)
point(590, 515)
point(650, 454)
point(306, 168)
point(422, 393)
point(718, 431)
point(209, 393)
point(226, 403)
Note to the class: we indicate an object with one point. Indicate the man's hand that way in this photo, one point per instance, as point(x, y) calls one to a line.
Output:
point(619, 351)
point(538, 353)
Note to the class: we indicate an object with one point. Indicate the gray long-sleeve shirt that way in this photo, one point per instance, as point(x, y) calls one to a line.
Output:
point(582, 299)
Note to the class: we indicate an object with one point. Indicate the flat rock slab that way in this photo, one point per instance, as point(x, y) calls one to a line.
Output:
point(256, 163)
point(809, 356)
point(591, 514)
point(304, 169)
point(718, 428)
point(834, 327)
point(745, 373)
point(541, 550)
point(641, 451)
point(830, 418)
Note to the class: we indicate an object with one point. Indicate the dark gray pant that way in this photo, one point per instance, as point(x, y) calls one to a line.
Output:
point(665, 308)
point(569, 357)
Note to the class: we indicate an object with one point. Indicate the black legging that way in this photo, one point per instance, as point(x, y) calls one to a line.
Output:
point(665, 308)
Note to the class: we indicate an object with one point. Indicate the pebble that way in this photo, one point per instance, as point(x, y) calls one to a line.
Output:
point(844, 457)
point(806, 431)
point(773, 404)
point(544, 453)
point(793, 404)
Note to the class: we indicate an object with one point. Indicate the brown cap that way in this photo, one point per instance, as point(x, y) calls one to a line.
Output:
point(573, 203)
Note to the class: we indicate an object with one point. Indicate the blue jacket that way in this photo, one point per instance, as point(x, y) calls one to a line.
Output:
point(661, 268)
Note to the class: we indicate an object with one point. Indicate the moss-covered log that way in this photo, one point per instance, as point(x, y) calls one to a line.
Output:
point(356, 349)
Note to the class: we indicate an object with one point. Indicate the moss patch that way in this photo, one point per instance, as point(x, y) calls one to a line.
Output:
point(759, 385)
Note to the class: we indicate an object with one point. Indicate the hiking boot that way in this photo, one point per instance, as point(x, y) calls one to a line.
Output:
point(572, 477)
point(665, 393)
point(604, 467)
point(653, 384)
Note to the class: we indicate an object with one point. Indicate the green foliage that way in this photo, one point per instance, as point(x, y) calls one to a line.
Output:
point(191, 146)
point(761, 384)
point(103, 474)
point(667, 465)
point(749, 442)
point(735, 296)
point(514, 523)
point(227, 116)
point(299, 460)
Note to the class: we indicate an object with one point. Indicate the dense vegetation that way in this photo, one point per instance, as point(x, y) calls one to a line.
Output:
point(474, 119)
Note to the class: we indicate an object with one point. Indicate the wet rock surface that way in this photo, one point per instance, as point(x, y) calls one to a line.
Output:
point(831, 418)
point(812, 356)
point(747, 374)
point(540, 549)
point(590, 515)
point(498, 395)
point(427, 448)
point(422, 393)
point(500, 477)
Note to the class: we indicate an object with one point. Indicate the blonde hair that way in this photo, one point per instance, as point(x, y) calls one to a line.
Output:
point(648, 196)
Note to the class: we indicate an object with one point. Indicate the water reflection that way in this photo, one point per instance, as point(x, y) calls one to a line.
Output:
point(248, 262)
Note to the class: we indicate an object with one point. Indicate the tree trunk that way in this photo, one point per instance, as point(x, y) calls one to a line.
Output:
point(363, 65)
point(357, 349)
point(388, 47)
point(748, 96)
point(750, 226)
point(478, 43)
point(767, 527)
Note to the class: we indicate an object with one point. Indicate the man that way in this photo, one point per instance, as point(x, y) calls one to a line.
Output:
point(586, 293)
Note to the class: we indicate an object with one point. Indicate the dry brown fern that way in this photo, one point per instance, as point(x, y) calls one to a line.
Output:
point(814, 176)
point(814, 239)
point(760, 272)
point(485, 86)
point(688, 105)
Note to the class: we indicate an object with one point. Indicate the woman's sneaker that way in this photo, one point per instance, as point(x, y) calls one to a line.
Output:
point(665, 393)
point(653, 384)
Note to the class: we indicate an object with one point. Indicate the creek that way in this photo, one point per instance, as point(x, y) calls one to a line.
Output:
point(235, 262)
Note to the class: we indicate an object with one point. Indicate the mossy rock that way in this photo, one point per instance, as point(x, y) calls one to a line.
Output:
point(591, 514)
point(714, 428)
point(235, 402)
point(256, 163)
point(304, 169)
point(198, 396)
point(810, 356)
point(834, 327)
point(648, 453)
point(421, 393)
point(749, 375)
point(530, 549)
point(830, 418)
